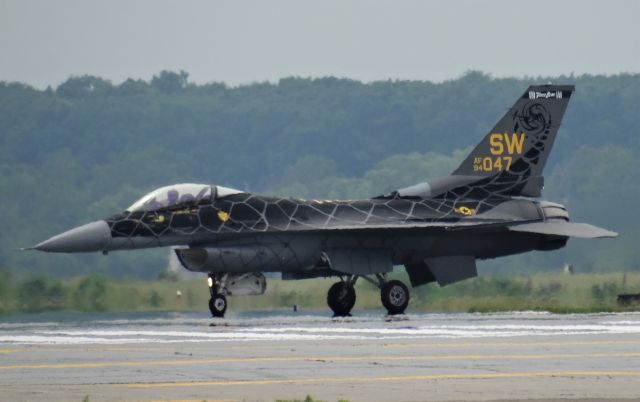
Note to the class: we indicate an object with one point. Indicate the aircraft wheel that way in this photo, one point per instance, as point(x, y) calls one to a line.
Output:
point(395, 297)
point(341, 298)
point(218, 305)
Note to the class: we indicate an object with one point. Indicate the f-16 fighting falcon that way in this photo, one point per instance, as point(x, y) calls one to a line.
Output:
point(437, 230)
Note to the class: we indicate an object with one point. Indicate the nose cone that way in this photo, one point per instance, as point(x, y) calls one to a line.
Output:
point(94, 236)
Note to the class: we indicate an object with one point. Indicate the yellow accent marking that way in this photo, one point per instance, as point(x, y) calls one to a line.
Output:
point(466, 211)
point(495, 142)
point(497, 164)
point(514, 144)
point(508, 160)
point(499, 144)
point(324, 380)
point(487, 164)
point(223, 216)
point(318, 358)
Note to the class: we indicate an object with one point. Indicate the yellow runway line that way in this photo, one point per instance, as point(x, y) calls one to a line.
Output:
point(11, 350)
point(325, 380)
point(364, 343)
point(188, 400)
point(190, 362)
point(507, 344)
point(169, 348)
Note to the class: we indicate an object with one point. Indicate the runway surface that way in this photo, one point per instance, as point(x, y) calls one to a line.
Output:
point(265, 357)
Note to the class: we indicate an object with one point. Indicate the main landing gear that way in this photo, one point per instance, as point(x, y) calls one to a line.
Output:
point(394, 296)
point(341, 297)
point(218, 300)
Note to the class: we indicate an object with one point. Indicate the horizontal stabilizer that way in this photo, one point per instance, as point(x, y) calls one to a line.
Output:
point(562, 228)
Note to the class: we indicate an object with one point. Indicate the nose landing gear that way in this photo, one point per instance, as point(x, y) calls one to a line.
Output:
point(218, 300)
point(218, 305)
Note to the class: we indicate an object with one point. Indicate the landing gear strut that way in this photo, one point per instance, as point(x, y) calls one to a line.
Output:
point(342, 296)
point(218, 301)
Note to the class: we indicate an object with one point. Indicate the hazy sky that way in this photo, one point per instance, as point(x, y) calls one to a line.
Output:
point(44, 42)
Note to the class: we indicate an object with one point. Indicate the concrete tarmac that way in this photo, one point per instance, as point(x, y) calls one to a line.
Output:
point(250, 357)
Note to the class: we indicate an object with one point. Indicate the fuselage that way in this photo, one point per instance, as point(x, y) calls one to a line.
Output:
point(244, 232)
point(222, 230)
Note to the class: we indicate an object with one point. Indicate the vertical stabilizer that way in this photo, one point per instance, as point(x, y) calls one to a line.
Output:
point(513, 154)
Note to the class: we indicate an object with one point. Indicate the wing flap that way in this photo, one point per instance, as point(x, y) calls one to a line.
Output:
point(563, 228)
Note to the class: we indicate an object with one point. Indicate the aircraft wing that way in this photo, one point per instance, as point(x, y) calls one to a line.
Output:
point(459, 225)
point(549, 227)
point(563, 228)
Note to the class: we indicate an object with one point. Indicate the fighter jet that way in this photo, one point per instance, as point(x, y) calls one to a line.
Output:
point(486, 208)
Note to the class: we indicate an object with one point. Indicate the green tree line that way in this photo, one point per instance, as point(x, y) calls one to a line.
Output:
point(556, 292)
point(89, 148)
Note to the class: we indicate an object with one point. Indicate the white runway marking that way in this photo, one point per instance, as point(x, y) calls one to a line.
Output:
point(275, 328)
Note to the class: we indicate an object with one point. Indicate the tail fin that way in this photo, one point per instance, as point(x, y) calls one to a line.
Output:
point(512, 156)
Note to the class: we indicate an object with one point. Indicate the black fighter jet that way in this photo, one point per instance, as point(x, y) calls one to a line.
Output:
point(437, 230)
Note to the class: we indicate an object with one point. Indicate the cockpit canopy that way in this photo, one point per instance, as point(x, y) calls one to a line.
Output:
point(180, 194)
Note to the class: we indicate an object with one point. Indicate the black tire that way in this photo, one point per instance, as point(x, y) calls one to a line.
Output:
point(341, 298)
point(395, 297)
point(218, 305)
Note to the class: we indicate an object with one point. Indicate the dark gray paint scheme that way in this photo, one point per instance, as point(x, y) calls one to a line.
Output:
point(436, 230)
